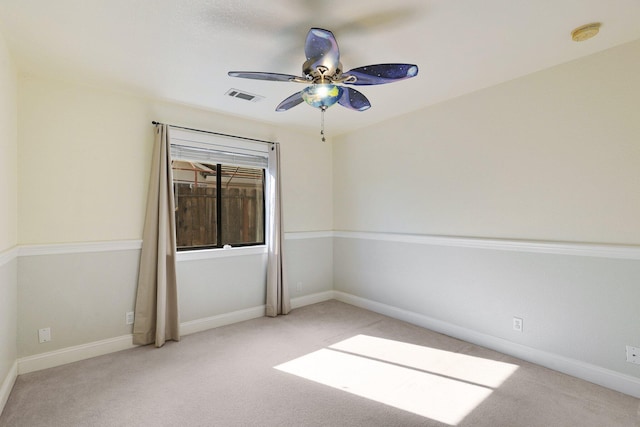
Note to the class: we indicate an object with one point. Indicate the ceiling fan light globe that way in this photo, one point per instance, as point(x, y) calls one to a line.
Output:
point(322, 96)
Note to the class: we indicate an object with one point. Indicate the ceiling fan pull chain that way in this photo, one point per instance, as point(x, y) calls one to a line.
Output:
point(322, 123)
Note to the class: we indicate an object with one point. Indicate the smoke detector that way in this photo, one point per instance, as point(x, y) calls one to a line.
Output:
point(585, 32)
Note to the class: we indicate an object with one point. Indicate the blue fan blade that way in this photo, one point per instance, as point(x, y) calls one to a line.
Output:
point(256, 75)
point(354, 100)
point(382, 73)
point(290, 102)
point(322, 48)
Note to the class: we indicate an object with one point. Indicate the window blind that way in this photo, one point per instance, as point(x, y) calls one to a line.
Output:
point(211, 148)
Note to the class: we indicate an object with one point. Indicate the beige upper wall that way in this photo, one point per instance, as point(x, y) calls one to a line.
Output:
point(551, 156)
point(8, 150)
point(84, 161)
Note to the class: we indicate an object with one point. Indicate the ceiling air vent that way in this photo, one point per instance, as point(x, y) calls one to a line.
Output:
point(244, 95)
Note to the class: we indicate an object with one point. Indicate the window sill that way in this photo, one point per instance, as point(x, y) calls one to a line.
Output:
point(220, 253)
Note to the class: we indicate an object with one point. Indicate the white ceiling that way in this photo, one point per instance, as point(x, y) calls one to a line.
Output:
point(181, 50)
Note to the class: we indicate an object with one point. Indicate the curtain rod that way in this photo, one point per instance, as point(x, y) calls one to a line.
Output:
point(214, 133)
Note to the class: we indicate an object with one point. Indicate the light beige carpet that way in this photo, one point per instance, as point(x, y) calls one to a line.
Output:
point(329, 364)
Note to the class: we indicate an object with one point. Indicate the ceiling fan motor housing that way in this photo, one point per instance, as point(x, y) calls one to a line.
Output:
point(322, 70)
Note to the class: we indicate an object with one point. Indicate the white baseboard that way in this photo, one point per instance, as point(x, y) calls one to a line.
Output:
point(592, 373)
point(595, 374)
point(312, 299)
point(98, 348)
point(124, 342)
point(74, 354)
point(7, 385)
point(200, 325)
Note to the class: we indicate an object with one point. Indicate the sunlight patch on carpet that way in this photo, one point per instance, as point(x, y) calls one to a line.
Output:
point(433, 383)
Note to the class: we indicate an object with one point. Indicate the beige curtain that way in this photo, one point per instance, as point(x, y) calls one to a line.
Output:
point(156, 313)
point(277, 287)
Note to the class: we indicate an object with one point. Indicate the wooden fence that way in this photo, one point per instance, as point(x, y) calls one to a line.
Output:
point(196, 222)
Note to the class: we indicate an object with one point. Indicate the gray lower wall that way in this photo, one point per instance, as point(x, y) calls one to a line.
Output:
point(8, 317)
point(580, 307)
point(217, 286)
point(83, 297)
point(222, 285)
point(309, 265)
point(583, 308)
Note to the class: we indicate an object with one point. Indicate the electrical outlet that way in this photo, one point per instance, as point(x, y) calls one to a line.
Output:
point(299, 287)
point(44, 335)
point(633, 354)
point(517, 324)
point(129, 317)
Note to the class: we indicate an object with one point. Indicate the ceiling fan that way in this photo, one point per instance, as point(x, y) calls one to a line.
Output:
point(323, 73)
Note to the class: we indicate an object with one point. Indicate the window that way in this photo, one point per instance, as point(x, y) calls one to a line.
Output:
point(219, 192)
